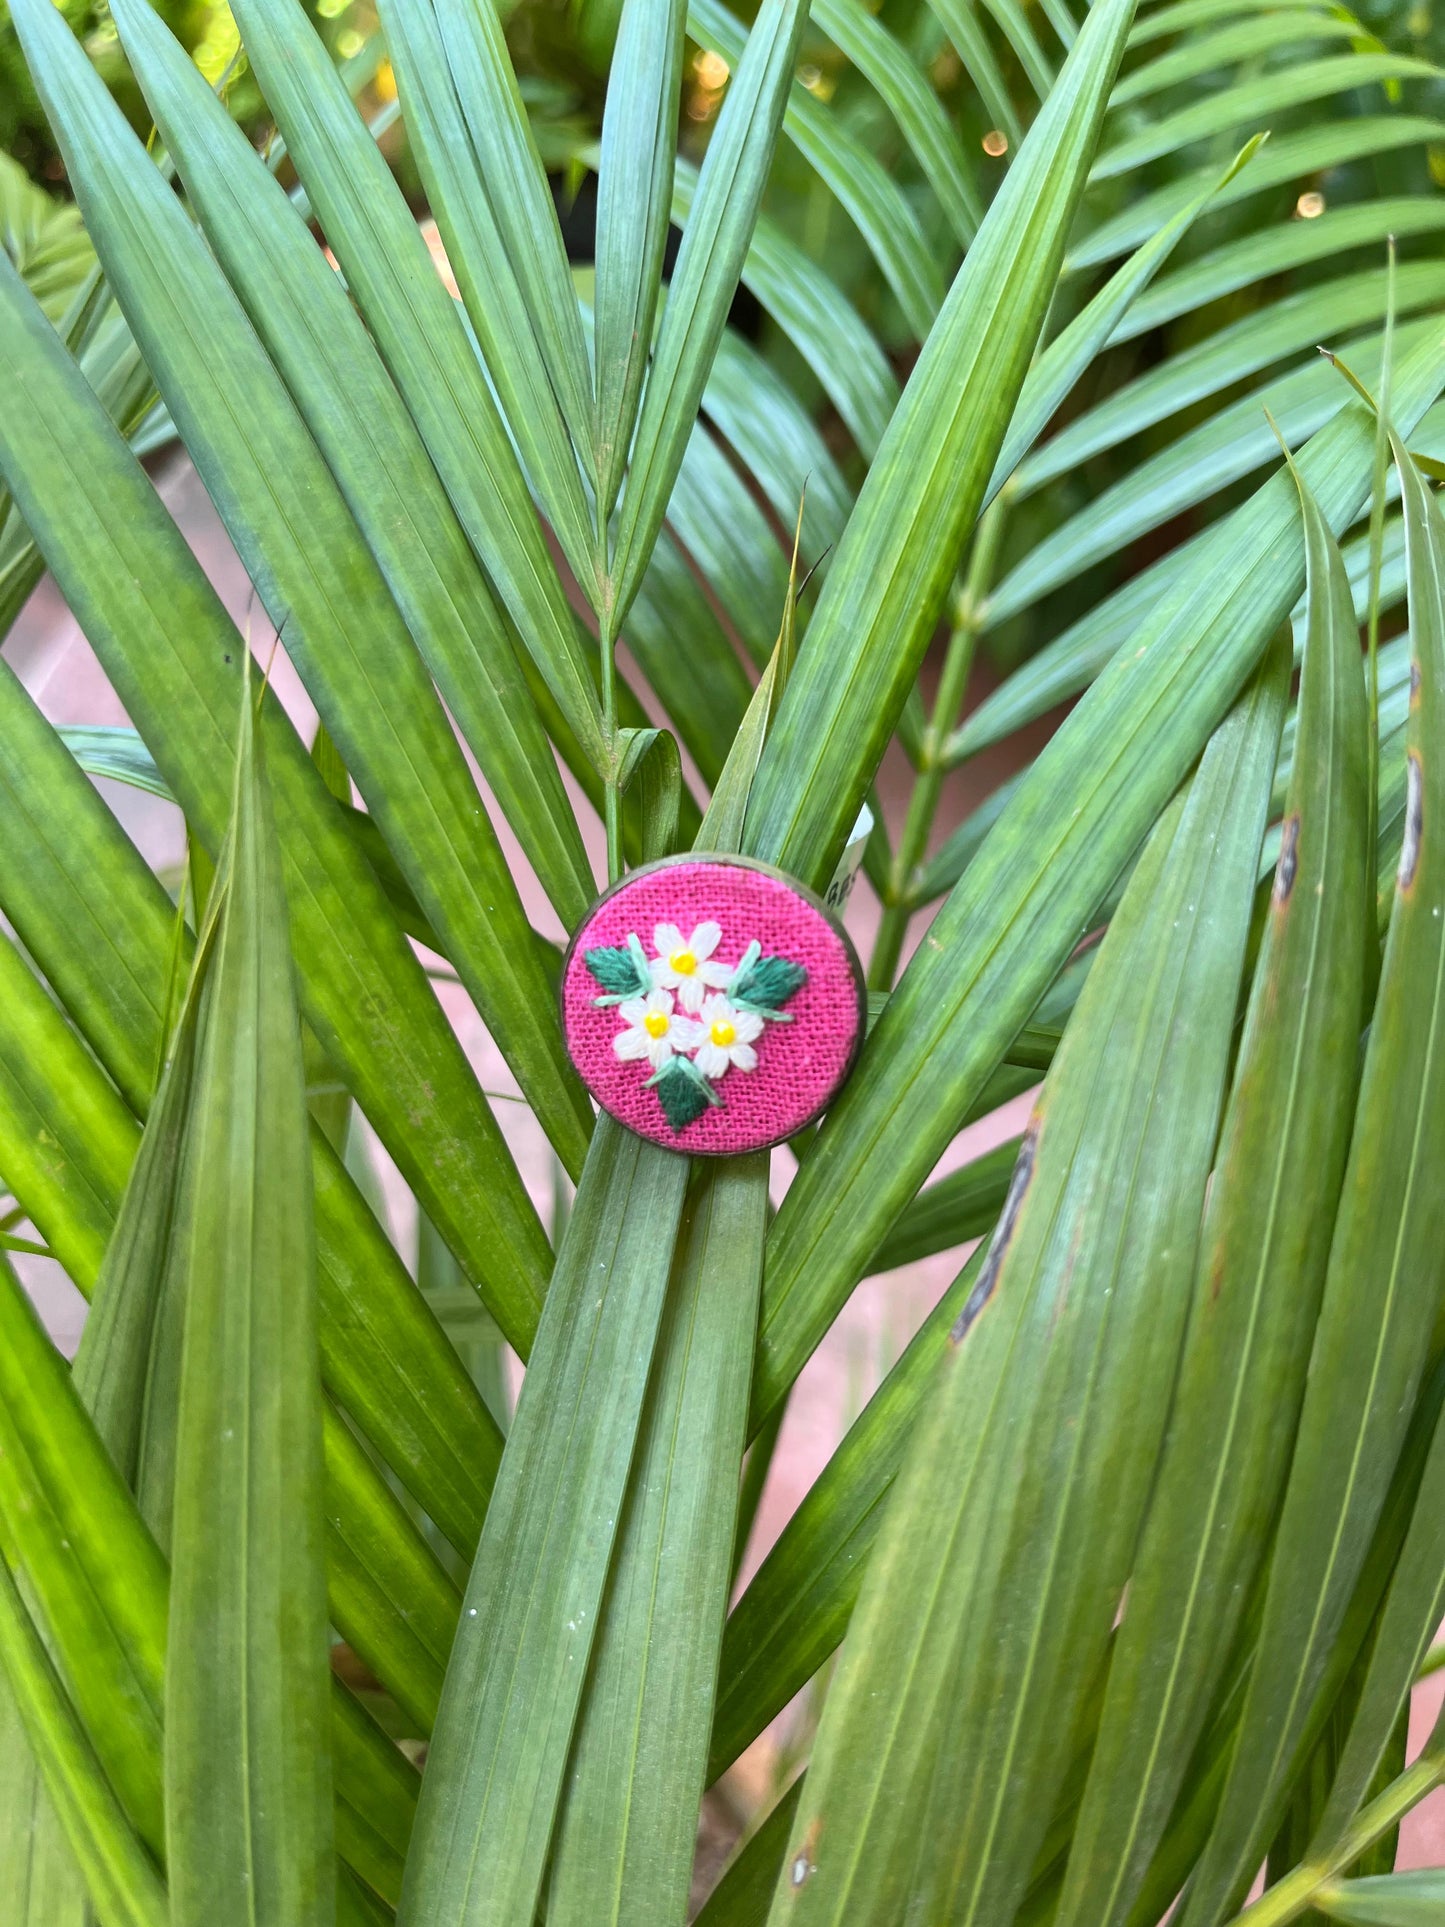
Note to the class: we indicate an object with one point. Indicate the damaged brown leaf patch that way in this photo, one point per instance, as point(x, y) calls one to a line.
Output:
point(1285, 869)
point(1003, 1234)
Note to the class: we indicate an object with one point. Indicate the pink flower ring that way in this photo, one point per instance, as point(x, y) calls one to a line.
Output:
point(712, 1004)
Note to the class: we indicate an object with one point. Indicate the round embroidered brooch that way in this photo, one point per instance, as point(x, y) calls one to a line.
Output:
point(712, 1004)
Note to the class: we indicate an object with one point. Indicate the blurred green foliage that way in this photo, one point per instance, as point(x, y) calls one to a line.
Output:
point(204, 27)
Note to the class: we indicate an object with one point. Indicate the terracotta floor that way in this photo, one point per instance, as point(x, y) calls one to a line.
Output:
point(58, 666)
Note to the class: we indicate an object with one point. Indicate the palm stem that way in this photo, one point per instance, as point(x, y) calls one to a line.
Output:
point(1298, 1891)
point(611, 795)
point(969, 602)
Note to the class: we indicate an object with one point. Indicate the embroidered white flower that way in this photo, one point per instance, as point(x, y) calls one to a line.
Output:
point(727, 1036)
point(688, 1016)
point(681, 963)
point(654, 1030)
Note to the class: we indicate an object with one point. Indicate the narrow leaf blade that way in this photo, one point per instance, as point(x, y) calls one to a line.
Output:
point(1261, 1271)
point(122, 1879)
point(628, 1826)
point(634, 199)
point(499, 1753)
point(1382, 1294)
point(248, 1766)
point(715, 241)
point(888, 580)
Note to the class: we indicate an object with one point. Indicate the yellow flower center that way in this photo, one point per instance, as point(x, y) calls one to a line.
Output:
point(724, 1033)
point(683, 962)
point(655, 1023)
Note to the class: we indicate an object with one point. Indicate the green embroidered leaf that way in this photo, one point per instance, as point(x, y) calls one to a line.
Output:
point(767, 983)
point(620, 971)
point(683, 1092)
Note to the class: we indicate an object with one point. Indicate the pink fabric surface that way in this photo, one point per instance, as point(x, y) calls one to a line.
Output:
point(800, 1063)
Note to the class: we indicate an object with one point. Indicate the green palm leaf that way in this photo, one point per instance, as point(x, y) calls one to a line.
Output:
point(1075, 347)
point(1261, 1270)
point(961, 23)
point(425, 344)
point(887, 582)
point(743, 1895)
point(628, 1825)
point(511, 174)
point(987, 963)
point(1018, 30)
point(1238, 41)
point(388, 1593)
point(724, 207)
point(42, 1064)
point(325, 590)
point(97, 1587)
point(1081, 1669)
point(41, 1884)
point(816, 317)
point(1394, 1900)
point(45, 238)
point(1285, 327)
point(1301, 154)
point(454, 145)
point(1405, 1630)
point(1254, 101)
point(120, 1876)
point(1380, 1301)
point(247, 1765)
point(336, 377)
point(919, 113)
point(797, 1607)
point(94, 1580)
point(374, 1797)
point(102, 928)
point(634, 199)
point(1048, 1467)
point(499, 1754)
point(1276, 249)
point(873, 201)
point(363, 990)
point(1233, 443)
